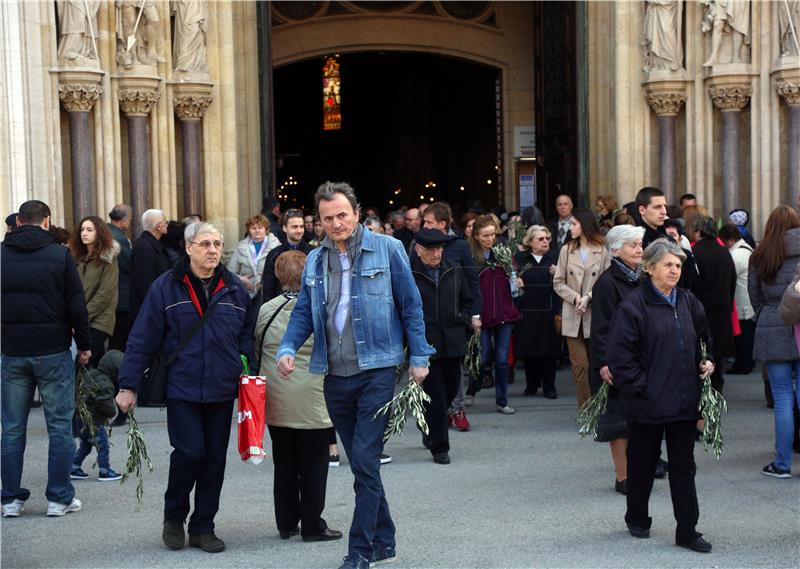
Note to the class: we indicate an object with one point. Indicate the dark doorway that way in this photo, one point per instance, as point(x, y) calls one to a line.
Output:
point(408, 120)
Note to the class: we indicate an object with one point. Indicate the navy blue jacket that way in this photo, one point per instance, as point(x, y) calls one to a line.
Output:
point(208, 369)
point(42, 295)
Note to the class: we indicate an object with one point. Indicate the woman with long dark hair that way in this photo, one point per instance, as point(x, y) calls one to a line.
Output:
point(580, 263)
point(772, 266)
point(95, 252)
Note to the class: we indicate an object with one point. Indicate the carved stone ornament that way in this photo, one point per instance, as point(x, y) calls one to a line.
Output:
point(789, 90)
point(191, 107)
point(666, 104)
point(79, 97)
point(730, 97)
point(137, 101)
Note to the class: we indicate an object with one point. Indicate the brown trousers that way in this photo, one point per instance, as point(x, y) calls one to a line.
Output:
point(579, 359)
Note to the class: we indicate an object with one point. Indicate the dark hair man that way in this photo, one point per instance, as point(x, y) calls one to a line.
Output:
point(272, 211)
point(293, 226)
point(652, 207)
point(42, 307)
point(358, 342)
point(687, 200)
point(120, 217)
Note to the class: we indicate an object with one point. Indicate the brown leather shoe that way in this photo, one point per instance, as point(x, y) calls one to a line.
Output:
point(208, 542)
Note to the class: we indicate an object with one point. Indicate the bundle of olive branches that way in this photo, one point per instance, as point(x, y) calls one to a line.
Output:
point(503, 258)
point(712, 406)
point(591, 411)
point(411, 398)
point(83, 392)
point(472, 359)
point(516, 234)
point(137, 457)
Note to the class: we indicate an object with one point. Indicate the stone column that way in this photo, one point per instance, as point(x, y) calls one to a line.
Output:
point(666, 99)
point(191, 101)
point(730, 95)
point(137, 95)
point(787, 84)
point(78, 90)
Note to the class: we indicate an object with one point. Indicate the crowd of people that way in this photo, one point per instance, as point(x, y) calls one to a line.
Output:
point(332, 301)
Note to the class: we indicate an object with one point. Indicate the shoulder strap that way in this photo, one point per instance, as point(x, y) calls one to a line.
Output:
point(188, 338)
point(266, 327)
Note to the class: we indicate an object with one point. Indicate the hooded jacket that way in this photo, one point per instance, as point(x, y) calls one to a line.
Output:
point(101, 386)
point(42, 296)
point(100, 278)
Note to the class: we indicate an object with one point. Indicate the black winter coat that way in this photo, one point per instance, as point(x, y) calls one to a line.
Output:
point(124, 265)
point(149, 260)
point(715, 287)
point(42, 296)
point(270, 285)
point(654, 354)
point(535, 335)
point(609, 290)
point(447, 307)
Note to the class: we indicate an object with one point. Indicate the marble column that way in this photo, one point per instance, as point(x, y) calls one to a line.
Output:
point(665, 99)
point(730, 94)
point(191, 101)
point(137, 95)
point(78, 91)
point(787, 84)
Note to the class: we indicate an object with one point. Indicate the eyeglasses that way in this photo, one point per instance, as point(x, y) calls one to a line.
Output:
point(207, 244)
point(545, 238)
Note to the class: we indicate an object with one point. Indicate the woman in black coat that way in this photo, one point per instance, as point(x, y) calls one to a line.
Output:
point(656, 365)
point(624, 242)
point(535, 338)
point(715, 287)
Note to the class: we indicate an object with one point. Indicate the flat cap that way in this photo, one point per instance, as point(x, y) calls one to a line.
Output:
point(430, 238)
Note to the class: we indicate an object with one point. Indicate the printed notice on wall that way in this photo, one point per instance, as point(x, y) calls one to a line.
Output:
point(527, 191)
point(524, 142)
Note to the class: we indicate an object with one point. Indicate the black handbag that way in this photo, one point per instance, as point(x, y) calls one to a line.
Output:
point(153, 389)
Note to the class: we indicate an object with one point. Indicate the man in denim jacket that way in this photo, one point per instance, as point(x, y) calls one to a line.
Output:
point(359, 299)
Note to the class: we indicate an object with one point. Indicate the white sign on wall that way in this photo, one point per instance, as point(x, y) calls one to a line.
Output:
point(524, 142)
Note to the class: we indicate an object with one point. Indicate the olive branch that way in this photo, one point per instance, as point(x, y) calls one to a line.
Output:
point(137, 458)
point(412, 398)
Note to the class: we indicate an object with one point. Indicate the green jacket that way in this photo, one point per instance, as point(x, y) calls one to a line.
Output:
point(100, 278)
point(101, 386)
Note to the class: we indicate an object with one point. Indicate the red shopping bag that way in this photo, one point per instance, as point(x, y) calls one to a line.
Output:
point(252, 409)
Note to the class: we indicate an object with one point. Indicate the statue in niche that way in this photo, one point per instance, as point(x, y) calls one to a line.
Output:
point(189, 51)
point(789, 19)
point(78, 43)
point(138, 33)
point(727, 18)
point(663, 44)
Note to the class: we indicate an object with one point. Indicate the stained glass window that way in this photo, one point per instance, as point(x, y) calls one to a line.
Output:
point(331, 97)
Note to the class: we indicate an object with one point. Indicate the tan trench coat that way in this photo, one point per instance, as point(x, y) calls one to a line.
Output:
point(573, 280)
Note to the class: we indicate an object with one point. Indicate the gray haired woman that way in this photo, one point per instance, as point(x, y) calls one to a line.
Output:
point(656, 364)
point(624, 242)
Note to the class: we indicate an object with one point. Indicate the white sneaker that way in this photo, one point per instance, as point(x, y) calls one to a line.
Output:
point(469, 400)
point(13, 509)
point(507, 410)
point(57, 509)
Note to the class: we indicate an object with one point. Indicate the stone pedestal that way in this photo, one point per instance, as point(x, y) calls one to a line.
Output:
point(787, 84)
point(665, 97)
point(137, 94)
point(191, 98)
point(78, 90)
point(730, 94)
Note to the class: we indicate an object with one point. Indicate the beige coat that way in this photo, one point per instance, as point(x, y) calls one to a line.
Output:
point(101, 287)
point(299, 401)
point(573, 280)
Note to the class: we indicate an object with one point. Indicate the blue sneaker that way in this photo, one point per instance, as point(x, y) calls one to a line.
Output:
point(382, 555)
point(78, 473)
point(355, 561)
point(108, 476)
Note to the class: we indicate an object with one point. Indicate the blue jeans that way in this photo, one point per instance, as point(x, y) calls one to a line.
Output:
point(55, 376)
point(352, 403)
point(784, 392)
point(87, 443)
point(500, 335)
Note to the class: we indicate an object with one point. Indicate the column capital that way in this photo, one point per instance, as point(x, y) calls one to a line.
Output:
point(79, 90)
point(191, 99)
point(730, 93)
point(787, 85)
point(137, 93)
point(665, 97)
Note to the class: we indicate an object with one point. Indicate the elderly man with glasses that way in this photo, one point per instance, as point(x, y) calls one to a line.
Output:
point(198, 314)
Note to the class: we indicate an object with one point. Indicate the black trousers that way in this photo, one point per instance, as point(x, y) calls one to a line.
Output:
point(98, 339)
point(199, 434)
point(644, 447)
point(301, 477)
point(444, 376)
point(122, 327)
point(331, 436)
point(744, 346)
point(540, 372)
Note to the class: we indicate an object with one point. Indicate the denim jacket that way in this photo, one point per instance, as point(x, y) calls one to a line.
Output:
point(385, 307)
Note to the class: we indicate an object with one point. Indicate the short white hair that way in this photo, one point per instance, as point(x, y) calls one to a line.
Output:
point(151, 218)
point(199, 228)
point(621, 234)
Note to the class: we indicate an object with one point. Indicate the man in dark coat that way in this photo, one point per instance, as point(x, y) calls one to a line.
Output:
point(149, 259)
point(120, 222)
point(447, 307)
point(272, 211)
point(43, 306)
point(293, 229)
point(560, 226)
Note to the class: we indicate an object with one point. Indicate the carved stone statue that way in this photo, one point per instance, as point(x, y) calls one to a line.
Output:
point(663, 47)
point(77, 46)
point(789, 19)
point(189, 51)
point(727, 18)
point(144, 50)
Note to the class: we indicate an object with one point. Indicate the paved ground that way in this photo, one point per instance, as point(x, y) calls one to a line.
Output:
point(522, 491)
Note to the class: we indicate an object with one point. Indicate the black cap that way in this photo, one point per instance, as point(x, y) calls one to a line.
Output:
point(430, 238)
